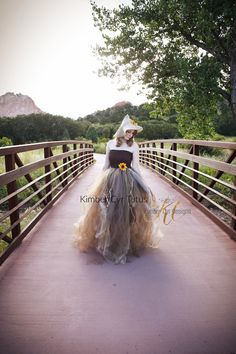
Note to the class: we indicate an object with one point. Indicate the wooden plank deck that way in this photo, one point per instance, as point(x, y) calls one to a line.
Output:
point(177, 299)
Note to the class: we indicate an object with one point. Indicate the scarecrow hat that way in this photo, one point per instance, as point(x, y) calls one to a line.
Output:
point(127, 124)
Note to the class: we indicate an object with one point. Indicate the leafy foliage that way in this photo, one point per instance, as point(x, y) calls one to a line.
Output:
point(101, 125)
point(181, 51)
point(4, 141)
point(38, 127)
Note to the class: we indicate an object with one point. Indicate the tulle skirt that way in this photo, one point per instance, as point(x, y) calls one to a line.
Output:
point(119, 216)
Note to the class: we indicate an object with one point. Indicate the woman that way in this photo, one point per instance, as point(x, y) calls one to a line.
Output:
point(120, 220)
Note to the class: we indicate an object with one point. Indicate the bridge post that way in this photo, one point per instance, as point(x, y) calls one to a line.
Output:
point(13, 201)
point(47, 168)
point(65, 181)
point(233, 222)
point(162, 155)
point(195, 172)
point(75, 161)
point(147, 156)
point(154, 158)
point(86, 155)
point(174, 158)
point(81, 157)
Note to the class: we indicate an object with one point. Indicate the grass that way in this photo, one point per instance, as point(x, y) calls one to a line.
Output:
point(100, 147)
point(220, 155)
point(26, 158)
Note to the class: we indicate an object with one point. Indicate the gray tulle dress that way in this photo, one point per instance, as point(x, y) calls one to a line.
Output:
point(120, 218)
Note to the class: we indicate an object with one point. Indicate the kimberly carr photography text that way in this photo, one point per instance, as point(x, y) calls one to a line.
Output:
point(167, 207)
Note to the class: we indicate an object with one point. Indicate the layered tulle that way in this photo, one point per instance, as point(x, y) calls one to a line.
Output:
point(119, 216)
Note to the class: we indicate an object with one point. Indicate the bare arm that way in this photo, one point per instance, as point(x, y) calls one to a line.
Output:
point(107, 162)
point(135, 161)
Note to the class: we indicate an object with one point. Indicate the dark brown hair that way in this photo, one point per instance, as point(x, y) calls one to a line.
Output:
point(129, 142)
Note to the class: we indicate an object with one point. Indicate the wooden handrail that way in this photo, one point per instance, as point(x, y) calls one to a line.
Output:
point(173, 166)
point(47, 187)
point(22, 171)
point(222, 166)
point(36, 146)
point(208, 143)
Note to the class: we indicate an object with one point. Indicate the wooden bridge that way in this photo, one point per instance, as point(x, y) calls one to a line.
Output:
point(179, 298)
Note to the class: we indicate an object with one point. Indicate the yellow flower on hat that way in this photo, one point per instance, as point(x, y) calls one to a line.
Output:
point(122, 166)
point(133, 122)
point(127, 124)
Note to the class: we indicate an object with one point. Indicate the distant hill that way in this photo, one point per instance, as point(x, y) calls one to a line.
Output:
point(122, 104)
point(116, 113)
point(12, 104)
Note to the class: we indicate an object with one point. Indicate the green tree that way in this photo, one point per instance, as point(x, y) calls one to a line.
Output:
point(106, 131)
point(92, 134)
point(224, 122)
point(183, 51)
point(4, 141)
point(41, 127)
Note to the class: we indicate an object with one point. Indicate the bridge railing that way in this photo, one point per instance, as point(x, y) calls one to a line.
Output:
point(204, 171)
point(27, 191)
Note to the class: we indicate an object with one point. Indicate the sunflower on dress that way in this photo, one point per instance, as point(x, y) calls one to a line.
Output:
point(122, 166)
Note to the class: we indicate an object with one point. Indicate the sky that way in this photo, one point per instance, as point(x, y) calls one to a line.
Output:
point(46, 53)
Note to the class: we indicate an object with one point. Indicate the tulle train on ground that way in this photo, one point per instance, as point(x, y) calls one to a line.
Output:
point(119, 216)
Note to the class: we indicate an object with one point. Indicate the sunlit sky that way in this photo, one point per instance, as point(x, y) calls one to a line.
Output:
point(46, 53)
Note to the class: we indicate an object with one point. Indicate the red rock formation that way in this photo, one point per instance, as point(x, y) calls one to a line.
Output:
point(12, 104)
